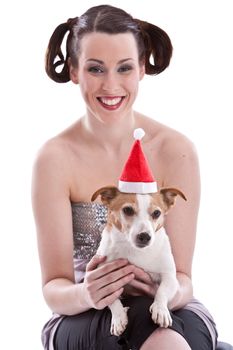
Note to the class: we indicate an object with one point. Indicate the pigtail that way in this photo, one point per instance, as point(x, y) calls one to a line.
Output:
point(54, 56)
point(158, 45)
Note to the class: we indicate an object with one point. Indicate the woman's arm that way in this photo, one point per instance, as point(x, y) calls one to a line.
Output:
point(52, 213)
point(181, 170)
point(53, 218)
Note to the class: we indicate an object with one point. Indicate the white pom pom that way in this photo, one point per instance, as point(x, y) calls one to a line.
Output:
point(138, 133)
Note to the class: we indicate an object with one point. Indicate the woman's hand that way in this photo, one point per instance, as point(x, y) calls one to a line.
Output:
point(104, 284)
point(142, 284)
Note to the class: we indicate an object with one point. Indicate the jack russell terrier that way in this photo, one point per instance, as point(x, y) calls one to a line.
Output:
point(134, 231)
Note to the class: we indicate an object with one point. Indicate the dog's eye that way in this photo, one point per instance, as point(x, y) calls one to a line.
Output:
point(129, 211)
point(156, 214)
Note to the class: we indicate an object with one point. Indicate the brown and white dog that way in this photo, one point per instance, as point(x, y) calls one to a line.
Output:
point(134, 230)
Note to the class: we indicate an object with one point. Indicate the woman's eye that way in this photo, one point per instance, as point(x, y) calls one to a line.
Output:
point(156, 214)
point(95, 69)
point(124, 69)
point(129, 211)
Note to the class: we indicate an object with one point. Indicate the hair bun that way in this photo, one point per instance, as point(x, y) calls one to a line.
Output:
point(54, 52)
point(158, 45)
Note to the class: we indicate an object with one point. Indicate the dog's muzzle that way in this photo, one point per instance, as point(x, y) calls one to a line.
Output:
point(142, 239)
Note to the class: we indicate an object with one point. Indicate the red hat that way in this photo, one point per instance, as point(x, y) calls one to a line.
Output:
point(137, 176)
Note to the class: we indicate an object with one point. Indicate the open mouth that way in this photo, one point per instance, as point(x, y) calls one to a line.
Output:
point(111, 103)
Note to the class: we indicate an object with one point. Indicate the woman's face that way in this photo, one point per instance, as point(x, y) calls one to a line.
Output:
point(108, 74)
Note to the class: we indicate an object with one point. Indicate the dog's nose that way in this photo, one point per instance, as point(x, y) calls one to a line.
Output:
point(143, 239)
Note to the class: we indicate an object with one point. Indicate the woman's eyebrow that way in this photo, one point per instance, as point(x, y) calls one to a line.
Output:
point(102, 62)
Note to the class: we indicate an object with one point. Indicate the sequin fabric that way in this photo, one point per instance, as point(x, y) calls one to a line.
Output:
point(89, 220)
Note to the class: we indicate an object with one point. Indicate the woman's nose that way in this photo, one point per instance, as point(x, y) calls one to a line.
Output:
point(110, 82)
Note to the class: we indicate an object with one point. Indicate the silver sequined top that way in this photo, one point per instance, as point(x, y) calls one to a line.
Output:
point(89, 220)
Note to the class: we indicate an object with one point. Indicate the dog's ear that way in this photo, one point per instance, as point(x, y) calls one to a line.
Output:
point(107, 194)
point(169, 195)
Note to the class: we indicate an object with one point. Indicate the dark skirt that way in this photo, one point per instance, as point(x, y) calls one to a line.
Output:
point(90, 330)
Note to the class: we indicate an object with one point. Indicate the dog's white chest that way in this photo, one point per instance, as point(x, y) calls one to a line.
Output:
point(153, 259)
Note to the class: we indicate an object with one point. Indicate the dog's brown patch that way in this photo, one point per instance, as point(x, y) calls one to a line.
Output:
point(122, 199)
point(113, 220)
point(166, 198)
point(169, 195)
point(115, 207)
point(115, 200)
point(106, 193)
point(158, 201)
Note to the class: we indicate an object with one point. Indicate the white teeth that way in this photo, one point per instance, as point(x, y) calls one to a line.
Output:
point(110, 102)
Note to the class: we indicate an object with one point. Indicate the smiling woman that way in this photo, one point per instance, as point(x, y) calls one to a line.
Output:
point(107, 54)
point(107, 81)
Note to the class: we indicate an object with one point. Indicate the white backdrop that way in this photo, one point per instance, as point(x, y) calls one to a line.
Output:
point(192, 96)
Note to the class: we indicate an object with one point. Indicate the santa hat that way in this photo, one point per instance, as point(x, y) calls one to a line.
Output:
point(137, 176)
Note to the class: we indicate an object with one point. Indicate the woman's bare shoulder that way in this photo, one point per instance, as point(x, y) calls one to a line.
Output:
point(168, 141)
point(49, 158)
point(57, 148)
point(52, 171)
point(175, 143)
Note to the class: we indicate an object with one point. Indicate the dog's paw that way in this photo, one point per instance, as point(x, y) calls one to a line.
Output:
point(160, 315)
point(119, 321)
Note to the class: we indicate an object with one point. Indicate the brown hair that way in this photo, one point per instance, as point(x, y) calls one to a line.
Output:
point(151, 40)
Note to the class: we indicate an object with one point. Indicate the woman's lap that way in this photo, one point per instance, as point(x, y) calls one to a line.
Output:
point(195, 331)
point(91, 330)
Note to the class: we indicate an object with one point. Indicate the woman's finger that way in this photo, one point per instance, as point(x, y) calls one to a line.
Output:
point(108, 267)
point(113, 287)
point(94, 262)
point(141, 275)
point(114, 276)
point(142, 288)
point(108, 300)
